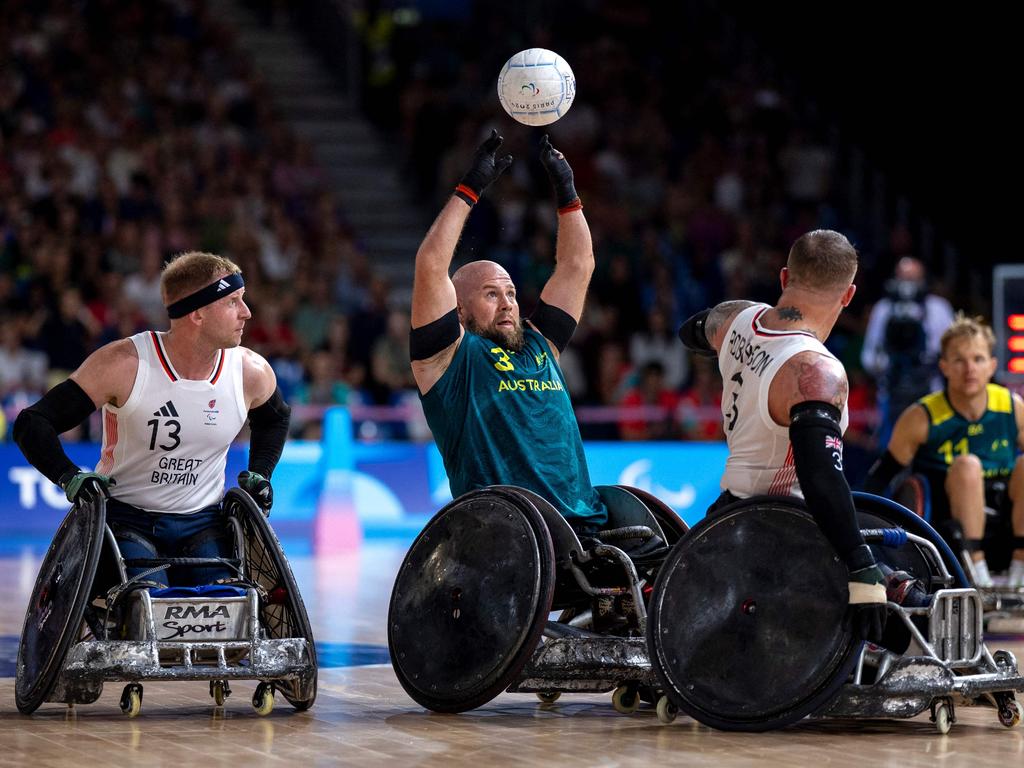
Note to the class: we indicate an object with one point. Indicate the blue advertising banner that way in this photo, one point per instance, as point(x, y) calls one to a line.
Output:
point(393, 488)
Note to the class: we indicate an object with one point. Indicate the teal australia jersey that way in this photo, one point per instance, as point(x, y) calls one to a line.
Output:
point(504, 418)
point(992, 438)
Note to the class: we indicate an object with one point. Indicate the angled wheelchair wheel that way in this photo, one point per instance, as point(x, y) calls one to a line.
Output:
point(471, 600)
point(57, 606)
point(747, 626)
point(672, 525)
point(914, 493)
point(284, 613)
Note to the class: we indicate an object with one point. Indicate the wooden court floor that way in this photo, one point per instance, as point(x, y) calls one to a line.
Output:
point(363, 717)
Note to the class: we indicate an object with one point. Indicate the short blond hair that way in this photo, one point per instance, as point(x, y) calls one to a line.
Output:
point(823, 260)
point(187, 272)
point(964, 327)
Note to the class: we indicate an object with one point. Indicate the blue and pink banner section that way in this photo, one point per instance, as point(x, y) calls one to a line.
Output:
point(330, 495)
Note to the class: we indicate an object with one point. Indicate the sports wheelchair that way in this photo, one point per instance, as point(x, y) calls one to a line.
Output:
point(750, 630)
point(1004, 606)
point(88, 623)
point(470, 612)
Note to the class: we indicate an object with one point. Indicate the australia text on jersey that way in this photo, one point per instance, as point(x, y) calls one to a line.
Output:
point(751, 355)
point(529, 385)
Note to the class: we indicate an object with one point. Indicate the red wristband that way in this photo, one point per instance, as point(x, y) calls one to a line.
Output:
point(575, 205)
point(467, 195)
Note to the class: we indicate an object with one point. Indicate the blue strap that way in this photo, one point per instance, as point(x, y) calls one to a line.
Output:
point(893, 537)
point(887, 537)
point(207, 590)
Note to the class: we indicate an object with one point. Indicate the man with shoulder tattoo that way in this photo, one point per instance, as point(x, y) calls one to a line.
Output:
point(784, 402)
point(492, 390)
point(172, 403)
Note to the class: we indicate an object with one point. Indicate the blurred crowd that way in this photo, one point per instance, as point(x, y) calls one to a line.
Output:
point(131, 130)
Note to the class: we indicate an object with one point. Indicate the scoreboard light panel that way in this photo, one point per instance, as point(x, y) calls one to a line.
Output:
point(1008, 321)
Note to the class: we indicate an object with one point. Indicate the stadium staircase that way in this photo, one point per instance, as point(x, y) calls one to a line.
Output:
point(361, 166)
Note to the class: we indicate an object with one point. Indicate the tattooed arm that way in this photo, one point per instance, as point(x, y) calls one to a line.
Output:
point(719, 318)
point(807, 377)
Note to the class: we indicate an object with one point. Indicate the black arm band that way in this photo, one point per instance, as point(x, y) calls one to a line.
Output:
point(555, 324)
point(882, 473)
point(817, 443)
point(692, 334)
point(268, 430)
point(427, 340)
point(37, 428)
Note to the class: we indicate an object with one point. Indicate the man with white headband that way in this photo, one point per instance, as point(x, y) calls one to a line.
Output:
point(172, 403)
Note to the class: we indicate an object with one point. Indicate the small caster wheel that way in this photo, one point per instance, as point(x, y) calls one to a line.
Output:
point(942, 716)
point(131, 699)
point(1005, 660)
point(667, 711)
point(263, 699)
point(548, 697)
point(1010, 713)
point(219, 690)
point(625, 700)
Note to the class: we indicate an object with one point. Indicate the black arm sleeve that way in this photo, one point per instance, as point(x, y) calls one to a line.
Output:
point(37, 428)
point(268, 430)
point(555, 324)
point(427, 340)
point(692, 334)
point(817, 442)
point(881, 473)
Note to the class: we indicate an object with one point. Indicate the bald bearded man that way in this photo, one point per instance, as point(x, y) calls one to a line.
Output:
point(490, 384)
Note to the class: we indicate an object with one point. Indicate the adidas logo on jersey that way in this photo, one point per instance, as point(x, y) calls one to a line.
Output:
point(167, 409)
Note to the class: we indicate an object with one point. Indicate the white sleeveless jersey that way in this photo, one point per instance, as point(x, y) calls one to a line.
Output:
point(760, 455)
point(167, 445)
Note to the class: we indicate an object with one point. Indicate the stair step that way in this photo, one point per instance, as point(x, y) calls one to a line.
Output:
point(363, 169)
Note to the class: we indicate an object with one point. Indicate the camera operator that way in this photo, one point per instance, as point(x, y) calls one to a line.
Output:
point(901, 346)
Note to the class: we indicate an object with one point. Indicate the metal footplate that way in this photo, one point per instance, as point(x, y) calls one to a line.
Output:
point(183, 639)
point(594, 663)
point(154, 660)
point(912, 684)
point(956, 667)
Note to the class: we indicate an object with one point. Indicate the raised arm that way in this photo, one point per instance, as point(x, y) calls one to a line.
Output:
point(436, 331)
point(566, 289)
point(433, 294)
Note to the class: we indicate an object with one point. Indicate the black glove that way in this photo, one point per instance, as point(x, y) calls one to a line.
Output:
point(257, 486)
point(560, 173)
point(868, 598)
point(485, 169)
point(85, 485)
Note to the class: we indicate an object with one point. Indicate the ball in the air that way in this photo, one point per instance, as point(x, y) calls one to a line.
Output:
point(536, 86)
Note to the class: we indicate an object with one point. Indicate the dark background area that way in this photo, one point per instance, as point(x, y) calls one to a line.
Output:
point(932, 94)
